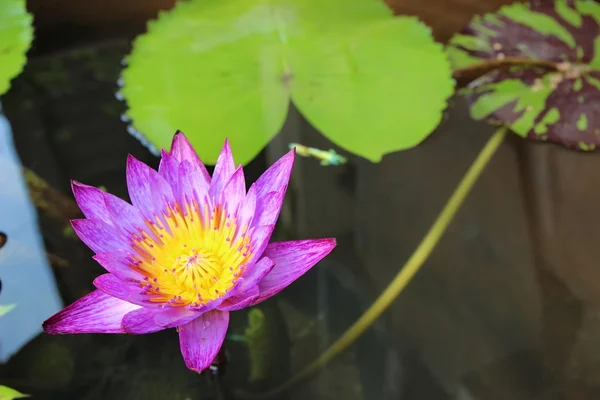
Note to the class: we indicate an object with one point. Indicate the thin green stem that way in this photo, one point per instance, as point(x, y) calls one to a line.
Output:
point(404, 276)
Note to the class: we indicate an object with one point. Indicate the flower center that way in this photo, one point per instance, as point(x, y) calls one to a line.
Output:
point(193, 255)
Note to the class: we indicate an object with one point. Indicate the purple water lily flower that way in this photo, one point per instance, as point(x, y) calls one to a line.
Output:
point(189, 250)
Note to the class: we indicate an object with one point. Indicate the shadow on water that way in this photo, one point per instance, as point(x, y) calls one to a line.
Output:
point(336, 297)
point(23, 265)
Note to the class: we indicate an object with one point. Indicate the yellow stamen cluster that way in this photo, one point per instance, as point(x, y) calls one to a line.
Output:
point(194, 255)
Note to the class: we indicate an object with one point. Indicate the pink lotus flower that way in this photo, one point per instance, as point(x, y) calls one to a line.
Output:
point(187, 252)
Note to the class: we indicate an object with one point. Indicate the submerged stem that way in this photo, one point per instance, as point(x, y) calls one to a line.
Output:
point(404, 276)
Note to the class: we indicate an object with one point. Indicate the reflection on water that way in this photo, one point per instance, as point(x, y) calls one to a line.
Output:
point(25, 273)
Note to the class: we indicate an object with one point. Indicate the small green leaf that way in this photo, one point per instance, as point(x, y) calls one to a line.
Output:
point(5, 309)
point(371, 82)
point(7, 393)
point(559, 99)
point(16, 34)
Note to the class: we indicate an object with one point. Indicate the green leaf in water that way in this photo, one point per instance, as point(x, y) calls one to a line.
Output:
point(16, 34)
point(371, 82)
point(555, 99)
point(7, 393)
point(5, 309)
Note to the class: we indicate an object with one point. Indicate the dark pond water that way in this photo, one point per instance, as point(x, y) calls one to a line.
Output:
point(483, 320)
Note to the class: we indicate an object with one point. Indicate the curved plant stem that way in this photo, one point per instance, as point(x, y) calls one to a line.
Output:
point(404, 276)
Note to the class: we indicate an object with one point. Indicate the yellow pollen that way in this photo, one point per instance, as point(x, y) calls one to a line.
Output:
point(194, 255)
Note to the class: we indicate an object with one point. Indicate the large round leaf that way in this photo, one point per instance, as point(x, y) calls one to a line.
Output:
point(16, 34)
point(552, 90)
point(371, 82)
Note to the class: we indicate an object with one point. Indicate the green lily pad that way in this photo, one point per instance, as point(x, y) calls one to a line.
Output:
point(7, 393)
point(551, 90)
point(371, 82)
point(16, 34)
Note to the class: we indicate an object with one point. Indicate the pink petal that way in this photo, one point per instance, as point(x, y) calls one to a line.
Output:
point(182, 150)
point(148, 320)
point(275, 179)
point(202, 338)
point(260, 240)
point(223, 170)
point(149, 192)
point(98, 235)
point(268, 208)
point(238, 302)
point(292, 260)
point(126, 217)
point(141, 321)
point(191, 185)
point(246, 211)
point(95, 313)
point(119, 264)
point(128, 291)
point(91, 202)
point(234, 191)
point(255, 273)
point(175, 316)
point(162, 195)
point(168, 168)
point(211, 305)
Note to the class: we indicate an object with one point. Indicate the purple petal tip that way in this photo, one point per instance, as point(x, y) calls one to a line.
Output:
point(332, 240)
point(226, 146)
point(75, 222)
point(179, 135)
point(49, 324)
point(325, 244)
point(77, 186)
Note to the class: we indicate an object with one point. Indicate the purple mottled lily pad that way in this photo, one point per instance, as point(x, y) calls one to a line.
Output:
point(547, 85)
